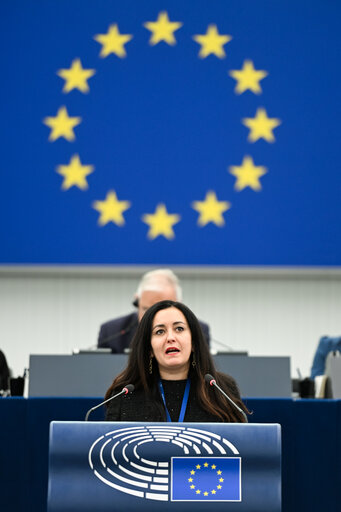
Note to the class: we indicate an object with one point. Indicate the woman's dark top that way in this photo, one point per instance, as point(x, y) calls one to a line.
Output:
point(137, 406)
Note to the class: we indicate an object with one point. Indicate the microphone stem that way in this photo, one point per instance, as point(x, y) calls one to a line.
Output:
point(103, 403)
point(230, 400)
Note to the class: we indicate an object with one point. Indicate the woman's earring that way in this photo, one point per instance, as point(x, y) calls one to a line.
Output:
point(151, 365)
point(194, 363)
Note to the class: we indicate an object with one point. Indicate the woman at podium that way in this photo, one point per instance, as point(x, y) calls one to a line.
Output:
point(173, 374)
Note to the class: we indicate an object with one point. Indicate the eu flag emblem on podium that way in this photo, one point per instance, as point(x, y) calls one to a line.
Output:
point(206, 479)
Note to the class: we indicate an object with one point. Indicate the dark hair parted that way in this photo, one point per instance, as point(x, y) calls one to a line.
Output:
point(137, 370)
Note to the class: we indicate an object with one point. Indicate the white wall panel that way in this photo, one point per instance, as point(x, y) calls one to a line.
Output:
point(263, 314)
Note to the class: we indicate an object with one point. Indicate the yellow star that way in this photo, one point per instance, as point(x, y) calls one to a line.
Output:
point(212, 42)
point(192, 487)
point(162, 29)
point(161, 223)
point(261, 126)
point(211, 210)
point(113, 42)
point(206, 464)
point(213, 466)
point(75, 173)
point(248, 174)
point(218, 486)
point(62, 125)
point(190, 479)
point(198, 466)
point(198, 491)
point(111, 209)
point(248, 78)
point(219, 472)
point(221, 479)
point(76, 77)
point(192, 472)
point(205, 493)
point(214, 491)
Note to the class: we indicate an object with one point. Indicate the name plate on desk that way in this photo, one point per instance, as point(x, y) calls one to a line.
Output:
point(179, 466)
point(91, 374)
point(334, 372)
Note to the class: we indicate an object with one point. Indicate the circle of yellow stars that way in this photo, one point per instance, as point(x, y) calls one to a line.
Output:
point(205, 492)
point(161, 222)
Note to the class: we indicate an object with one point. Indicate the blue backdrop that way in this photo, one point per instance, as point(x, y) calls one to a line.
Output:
point(170, 132)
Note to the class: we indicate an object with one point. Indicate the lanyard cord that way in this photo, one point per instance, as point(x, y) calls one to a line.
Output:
point(184, 401)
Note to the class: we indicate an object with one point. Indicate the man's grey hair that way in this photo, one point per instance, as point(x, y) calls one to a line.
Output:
point(156, 280)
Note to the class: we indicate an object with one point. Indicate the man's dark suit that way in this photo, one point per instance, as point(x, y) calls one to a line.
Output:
point(118, 333)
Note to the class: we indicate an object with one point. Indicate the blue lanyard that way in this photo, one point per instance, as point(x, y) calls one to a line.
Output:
point(184, 401)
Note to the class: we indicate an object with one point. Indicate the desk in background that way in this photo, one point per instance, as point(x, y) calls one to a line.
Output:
point(92, 374)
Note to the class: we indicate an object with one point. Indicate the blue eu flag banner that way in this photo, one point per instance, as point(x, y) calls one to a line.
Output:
point(189, 133)
point(206, 479)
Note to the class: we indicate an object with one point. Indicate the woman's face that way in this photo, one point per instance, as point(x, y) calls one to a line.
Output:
point(171, 342)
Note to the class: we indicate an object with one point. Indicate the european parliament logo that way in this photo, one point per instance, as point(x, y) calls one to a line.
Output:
point(168, 463)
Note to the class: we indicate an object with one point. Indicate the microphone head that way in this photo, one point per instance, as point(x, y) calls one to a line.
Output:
point(129, 388)
point(209, 379)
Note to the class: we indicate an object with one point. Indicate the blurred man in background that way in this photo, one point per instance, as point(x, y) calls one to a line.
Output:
point(156, 285)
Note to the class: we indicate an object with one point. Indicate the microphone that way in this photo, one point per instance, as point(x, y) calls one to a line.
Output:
point(129, 388)
point(212, 382)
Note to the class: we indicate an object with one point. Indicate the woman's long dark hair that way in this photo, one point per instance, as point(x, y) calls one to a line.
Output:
point(4, 372)
point(137, 370)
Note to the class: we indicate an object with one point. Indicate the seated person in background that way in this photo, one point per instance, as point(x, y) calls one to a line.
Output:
point(4, 372)
point(167, 365)
point(156, 285)
point(325, 346)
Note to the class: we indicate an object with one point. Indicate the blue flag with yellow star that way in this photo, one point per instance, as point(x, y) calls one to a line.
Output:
point(190, 133)
point(206, 479)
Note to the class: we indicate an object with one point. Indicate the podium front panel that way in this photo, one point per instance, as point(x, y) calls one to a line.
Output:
point(119, 466)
